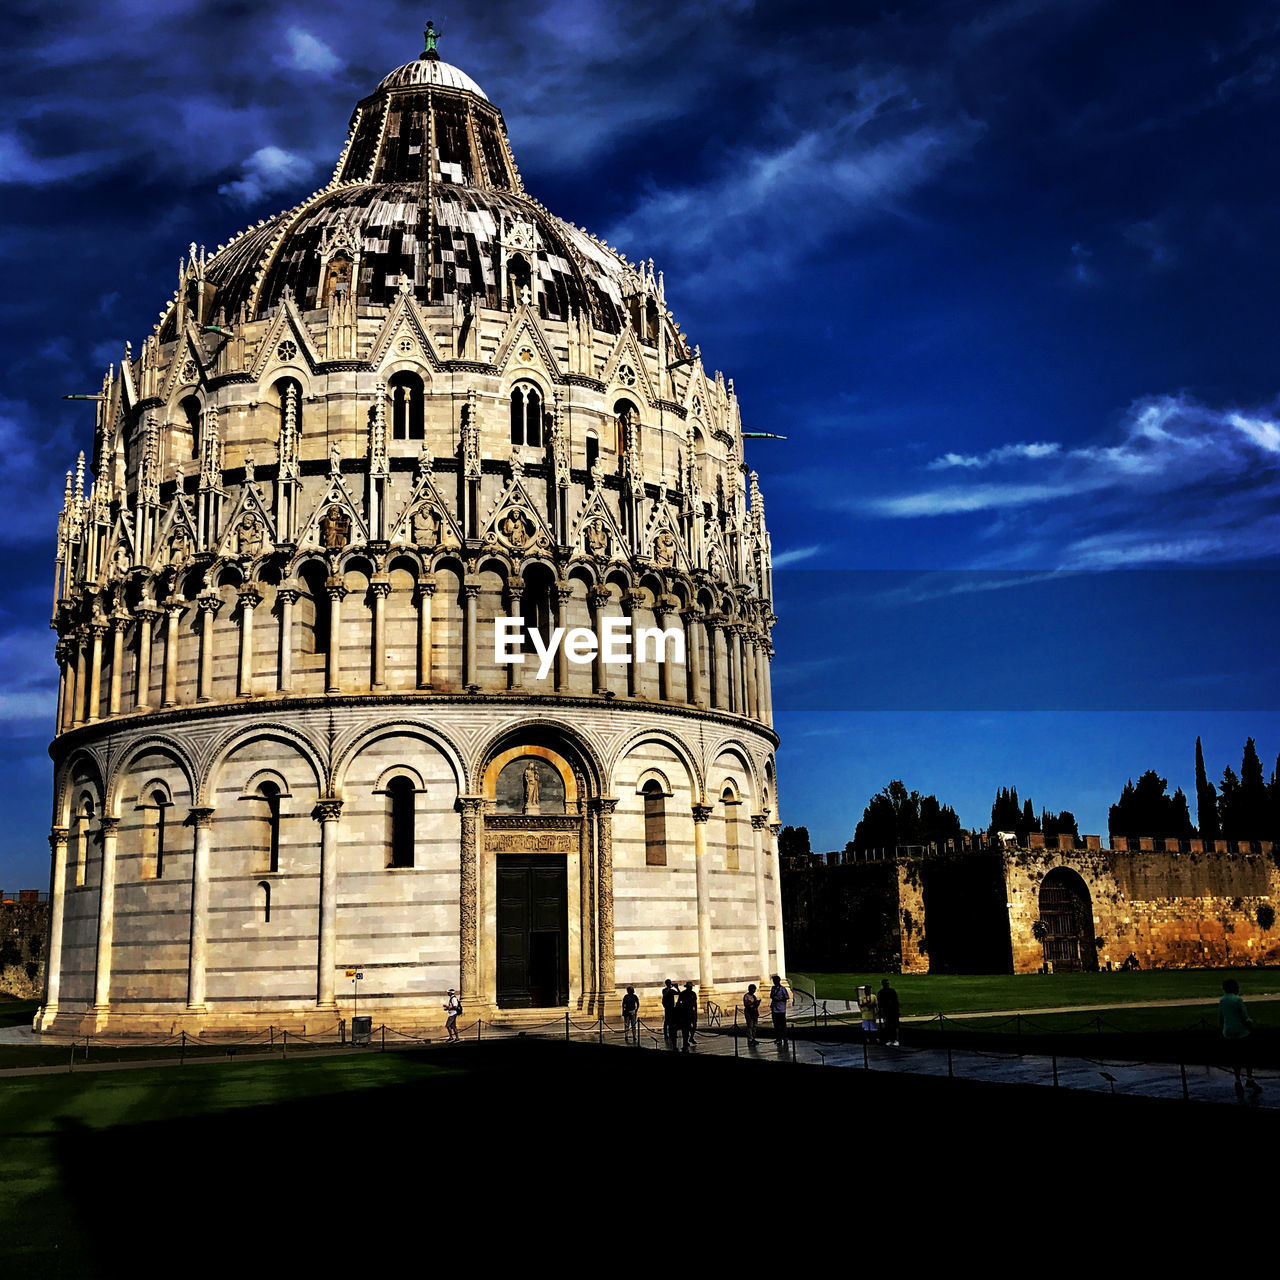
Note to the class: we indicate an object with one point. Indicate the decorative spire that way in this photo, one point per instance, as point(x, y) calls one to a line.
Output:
point(430, 36)
point(378, 430)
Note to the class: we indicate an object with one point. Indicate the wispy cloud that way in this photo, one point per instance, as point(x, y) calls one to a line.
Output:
point(28, 680)
point(785, 558)
point(1184, 482)
point(306, 52)
point(266, 171)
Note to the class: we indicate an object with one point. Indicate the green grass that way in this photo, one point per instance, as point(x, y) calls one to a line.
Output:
point(932, 993)
point(17, 1013)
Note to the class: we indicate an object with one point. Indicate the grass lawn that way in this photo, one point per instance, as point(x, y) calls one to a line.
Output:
point(932, 993)
point(17, 1013)
point(514, 1153)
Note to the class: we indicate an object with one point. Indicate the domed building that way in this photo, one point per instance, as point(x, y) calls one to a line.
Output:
point(416, 621)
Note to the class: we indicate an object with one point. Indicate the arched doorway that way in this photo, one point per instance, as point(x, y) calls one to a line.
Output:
point(532, 951)
point(1066, 917)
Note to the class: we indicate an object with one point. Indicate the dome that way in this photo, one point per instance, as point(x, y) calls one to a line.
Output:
point(434, 72)
point(426, 189)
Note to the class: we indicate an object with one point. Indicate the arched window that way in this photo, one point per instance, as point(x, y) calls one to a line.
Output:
point(84, 821)
point(290, 393)
point(400, 822)
point(270, 839)
point(627, 417)
point(407, 406)
point(518, 280)
point(536, 606)
point(190, 407)
point(526, 415)
point(157, 833)
point(337, 276)
point(731, 860)
point(593, 449)
point(264, 900)
point(312, 576)
point(655, 825)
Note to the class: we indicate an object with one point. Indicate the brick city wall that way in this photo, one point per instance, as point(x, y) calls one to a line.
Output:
point(24, 928)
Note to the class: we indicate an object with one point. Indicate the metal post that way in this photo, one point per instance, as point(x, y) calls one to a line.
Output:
point(735, 1033)
point(866, 1057)
point(793, 1045)
point(1186, 1093)
point(479, 1024)
point(71, 1066)
point(951, 1074)
point(1098, 1022)
point(272, 1030)
point(182, 1055)
point(601, 1038)
point(284, 1052)
point(384, 1037)
point(566, 1027)
point(1055, 1070)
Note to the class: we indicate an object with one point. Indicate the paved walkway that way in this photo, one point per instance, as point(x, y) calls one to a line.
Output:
point(1101, 1075)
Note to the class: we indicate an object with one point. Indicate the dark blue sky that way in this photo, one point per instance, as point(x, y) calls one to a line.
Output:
point(1003, 273)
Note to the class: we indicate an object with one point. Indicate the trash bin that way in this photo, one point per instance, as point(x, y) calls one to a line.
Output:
point(361, 1030)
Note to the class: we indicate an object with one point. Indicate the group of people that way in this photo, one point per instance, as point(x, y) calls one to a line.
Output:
point(881, 1012)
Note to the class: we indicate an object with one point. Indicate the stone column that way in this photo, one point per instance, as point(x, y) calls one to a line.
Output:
point(515, 609)
point(597, 598)
point(328, 812)
point(604, 877)
point(57, 912)
point(472, 810)
point(108, 827)
point(692, 655)
point(633, 600)
point(706, 981)
point(209, 603)
point(734, 655)
point(118, 623)
point(142, 693)
point(426, 593)
point(763, 710)
point(250, 598)
point(60, 717)
point(564, 593)
point(172, 613)
point(661, 613)
point(588, 906)
point(202, 821)
point(96, 631)
point(774, 828)
point(749, 674)
point(713, 663)
point(381, 588)
point(337, 593)
point(470, 635)
point(77, 702)
point(759, 825)
point(287, 598)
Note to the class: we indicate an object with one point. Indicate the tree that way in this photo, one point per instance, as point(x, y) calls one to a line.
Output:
point(896, 816)
point(1145, 809)
point(1008, 815)
point(1206, 800)
point(1228, 803)
point(1059, 824)
point(793, 842)
point(1251, 808)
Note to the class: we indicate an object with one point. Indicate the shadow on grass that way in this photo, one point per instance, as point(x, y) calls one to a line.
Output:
point(523, 1148)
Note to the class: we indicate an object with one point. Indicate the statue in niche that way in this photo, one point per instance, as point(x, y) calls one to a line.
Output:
point(180, 549)
point(122, 559)
point(531, 788)
point(427, 525)
point(249, 536)
point(515, 528)
point(597, 539)
point(664, 548)
point(335, 528)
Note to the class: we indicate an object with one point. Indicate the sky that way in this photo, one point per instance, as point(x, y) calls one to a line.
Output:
point(1003, 274)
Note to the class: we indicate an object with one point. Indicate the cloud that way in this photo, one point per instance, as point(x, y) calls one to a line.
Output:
point(266, 171)
point(306, 52)
point(1005, 453)
point(20, 166)
point(1184, 483)
point(28, 676)
point(785, 558)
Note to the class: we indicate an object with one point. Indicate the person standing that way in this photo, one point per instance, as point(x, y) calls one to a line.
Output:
point(452, 1008)
point(631, 1016)
point(779, 997)
point(890, 1013)
point(687, 1009)
point(1236, 1028)
point(751, 1012)
point(669, 994)
point(869, 1008)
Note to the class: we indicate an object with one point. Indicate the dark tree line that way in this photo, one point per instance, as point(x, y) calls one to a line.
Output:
point(1007, 816)
point(896, 816)
point(1244, 806)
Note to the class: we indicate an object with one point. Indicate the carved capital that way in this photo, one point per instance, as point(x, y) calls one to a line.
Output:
point(108, 825)
point(380, 587)
point(58, 836)
point(288, 595)
point(598, 597)
point(146, 614)
point(336, 588)
point(606, 804)
point(207, 604)
point(201, 817)
point(249, 595)
point(759, 821)
point(471, 590)
point(426, 584)
point(328, 809)
point(636, 600)
point(470, 804)
point(775, 828)
point(701, 812)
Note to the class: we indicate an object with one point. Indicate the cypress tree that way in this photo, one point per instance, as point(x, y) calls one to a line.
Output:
point(1206, 800)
